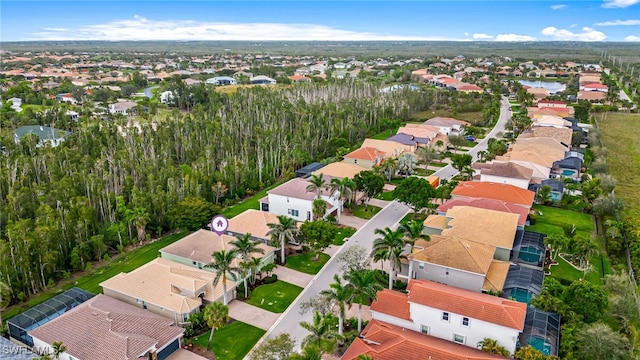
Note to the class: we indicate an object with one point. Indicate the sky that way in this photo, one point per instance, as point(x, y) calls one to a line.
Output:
point(450, 20)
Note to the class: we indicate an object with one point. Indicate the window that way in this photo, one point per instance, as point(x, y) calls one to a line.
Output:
point(458, 338)
point(355, 161)
point(465, 321)
point(445, 316)
point(144, 305)
point(424, 329)
point(421, 266)
point(293, 212)
point(137, 301)
point(265, 207)
point(193, 262)
point(185, 317)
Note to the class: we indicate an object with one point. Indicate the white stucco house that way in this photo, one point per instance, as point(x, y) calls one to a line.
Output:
point(167, 97)
point(293, 199)
point(451, 313)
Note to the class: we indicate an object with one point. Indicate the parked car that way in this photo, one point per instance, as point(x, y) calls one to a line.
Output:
point(470, 138)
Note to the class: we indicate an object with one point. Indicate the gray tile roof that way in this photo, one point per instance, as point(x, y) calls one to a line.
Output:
point(13, 351)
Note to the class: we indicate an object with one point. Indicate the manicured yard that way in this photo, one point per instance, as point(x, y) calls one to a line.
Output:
point(422, 172)
point(305, 262)
point(274, 297)
point(385, 134)
point(126, 262)
point(386, 195)
point(343, 232)
point(364, 212)
point(231, 342)
point(438, 164)
point(413, 216)
point(565, 271)
point(250, 203)
point(554, 219)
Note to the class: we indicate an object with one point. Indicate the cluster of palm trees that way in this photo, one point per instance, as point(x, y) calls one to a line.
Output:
point(345, 187)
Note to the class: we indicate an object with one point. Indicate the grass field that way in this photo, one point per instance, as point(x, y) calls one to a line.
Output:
point(620, 134)
point(364, 212)
point(231, 342)
point(305, 262)
point(343, 232)
point(274, 297)
point(90, 281)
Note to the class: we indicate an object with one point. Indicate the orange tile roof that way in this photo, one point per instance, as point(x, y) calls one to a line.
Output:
point(365, 153)
point(393, 303)
point(383, 341)
point(491, 190)
point(492, 309)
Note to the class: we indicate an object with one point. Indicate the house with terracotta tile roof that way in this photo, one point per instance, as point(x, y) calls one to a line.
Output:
point(391, 149)
point(447, 126)
point(547, 142)
point(551, 103)
point(106, 328)
point(453, 314)
point(340, 170)
point(490, 190)
point(504, 173)
point(534, 112)
point(591, 95)
point(167, 288)
point(367, 157)
point(292, 199)
point(384, 341)
point(550, 120)
point(255, 223)
point(563, 135)
point(469, 88)
point(419, 130)
point(489, 204)
point(594, 86)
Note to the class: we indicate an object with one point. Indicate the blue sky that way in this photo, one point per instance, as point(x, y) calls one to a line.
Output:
point(515, 20)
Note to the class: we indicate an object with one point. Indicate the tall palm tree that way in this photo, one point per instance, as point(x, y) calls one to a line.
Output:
point(585, 250)
point(320, 331)
point(223, 264)
point(316, 183)
point(339, 293)
point(246, 268)
point(492, 347)
point(216, 315)
point(285, 229)
point(392, 241)
point(389, 168)
point(255, 268)
point(310, 352)
point(140, 219)
point(245, 246)
point(319, 209)
point(412, 231)
point(58, 349)
point(345, 187)
point(362, 285)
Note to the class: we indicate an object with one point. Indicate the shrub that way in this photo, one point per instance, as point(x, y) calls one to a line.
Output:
point(533, 217)
point(271, 279)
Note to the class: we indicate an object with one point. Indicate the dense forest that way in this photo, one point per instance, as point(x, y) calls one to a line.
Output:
point(113, 181)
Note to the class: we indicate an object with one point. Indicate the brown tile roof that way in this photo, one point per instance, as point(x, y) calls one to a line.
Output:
point(528, 155)
point(383, 341)
point(495, 228)
point(103, 328)
point(436, 221)
point(491, 309)
point(561, 134)
point(297, 188)
point(365, 153)
point(546, 141)
point(489, 204)
point(541, 147)
point(591, 95)
point(340, 170)
point(391, 149)
point(419, 130)
point(496, 276)
point(167, 284)
point(199, 246)
point(504, 169)
point(455, 253)
point(393, 303)
point(254, 222)
point(491, 190)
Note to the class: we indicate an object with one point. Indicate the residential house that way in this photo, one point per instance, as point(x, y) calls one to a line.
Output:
point(410, 140)
point(538, 92)
point(340, 170)
point(504, 173)
point(523, 283)
point(390, 148)
point(541, 142)
point(16, 104)
point(419, 130)
point(570, 167)
point(124, 108)
point(367, 157)
point(550, 120)
point(292, 199)
point(308, 169)
point(458, 315)
point(489, 204)
point(594, 86)
point(591, 95)
point(469, 88)
point(66, 97)
point(46, 135)
point(167, 288)
point(448, 126)
point(221, 80)
point(383, 341)
point(256, 223)
point(534, 112)
point(491, 190)
point(106, 328)
point(196, 249)
point(262, 80)
point(557, 188)
point(167, 97)
point(299, 79)
point(551, 103)
point(13, 351)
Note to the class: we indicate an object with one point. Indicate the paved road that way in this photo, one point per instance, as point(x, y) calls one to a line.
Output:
point(147, 91)
point(289, 321)
point(449, 171)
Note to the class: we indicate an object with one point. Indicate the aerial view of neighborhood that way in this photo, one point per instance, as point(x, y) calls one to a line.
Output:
point(302, 180)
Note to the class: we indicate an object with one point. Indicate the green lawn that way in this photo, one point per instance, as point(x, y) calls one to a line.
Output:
point(343, 232)
point(386, 195)
point(438, 164)
point(91, 281)
point(422, 172)
point(565, 271)
point(252, 202)
point(413, 216)
point(385, 134)
point(364, 212)
point(231, 342)
point(274, 297)
point(553, 219)
point(305, 262)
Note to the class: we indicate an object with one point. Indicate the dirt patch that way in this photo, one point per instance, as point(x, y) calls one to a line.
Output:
point(206, 353)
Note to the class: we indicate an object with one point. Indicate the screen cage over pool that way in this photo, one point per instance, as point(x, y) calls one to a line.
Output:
point(522, 283)
point(529, 249)
point(20, 325)
point(541, 331)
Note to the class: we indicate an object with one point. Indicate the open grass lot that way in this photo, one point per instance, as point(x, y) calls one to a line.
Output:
point(231, 342)
point(252, 202)
point(364, 212)
point(274, 297)
point(305, 262)
point(620, 134)
point(343, 232)
point(90, 281)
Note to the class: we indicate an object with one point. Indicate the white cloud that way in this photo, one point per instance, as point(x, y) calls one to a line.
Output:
point(141, 28)
point(572, 26)
point(619, 3)
point(55, 29)
point(632, 38)
point(587, 34)
point(558, 7)
point(619, 23)
point(514, 37)
point(482, 36)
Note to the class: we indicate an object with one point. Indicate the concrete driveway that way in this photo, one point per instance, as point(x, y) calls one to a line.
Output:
point(292, 276)
point(252, 315)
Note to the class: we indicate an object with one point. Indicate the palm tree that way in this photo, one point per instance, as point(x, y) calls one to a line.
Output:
point(319, 209)
point(389, 167)
point(412, 231)
point(255, 268)
point(482, 154)
point(316, 183)
point(492, 347)
point(245, 246)
point(362, 286)
point(392, 241)
point(380, 256)
point(339, 293)
point(140, 219)
point(585, 250)
point(285, 229)
point(219, 189)
point(246, 268)
point(310, 352)
point(426, 155)
point(345, 187)
point(223, 264)
point(544, 195)
point(58, 349)
point(320, 331)
point(216, 315)
point(557, 243)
